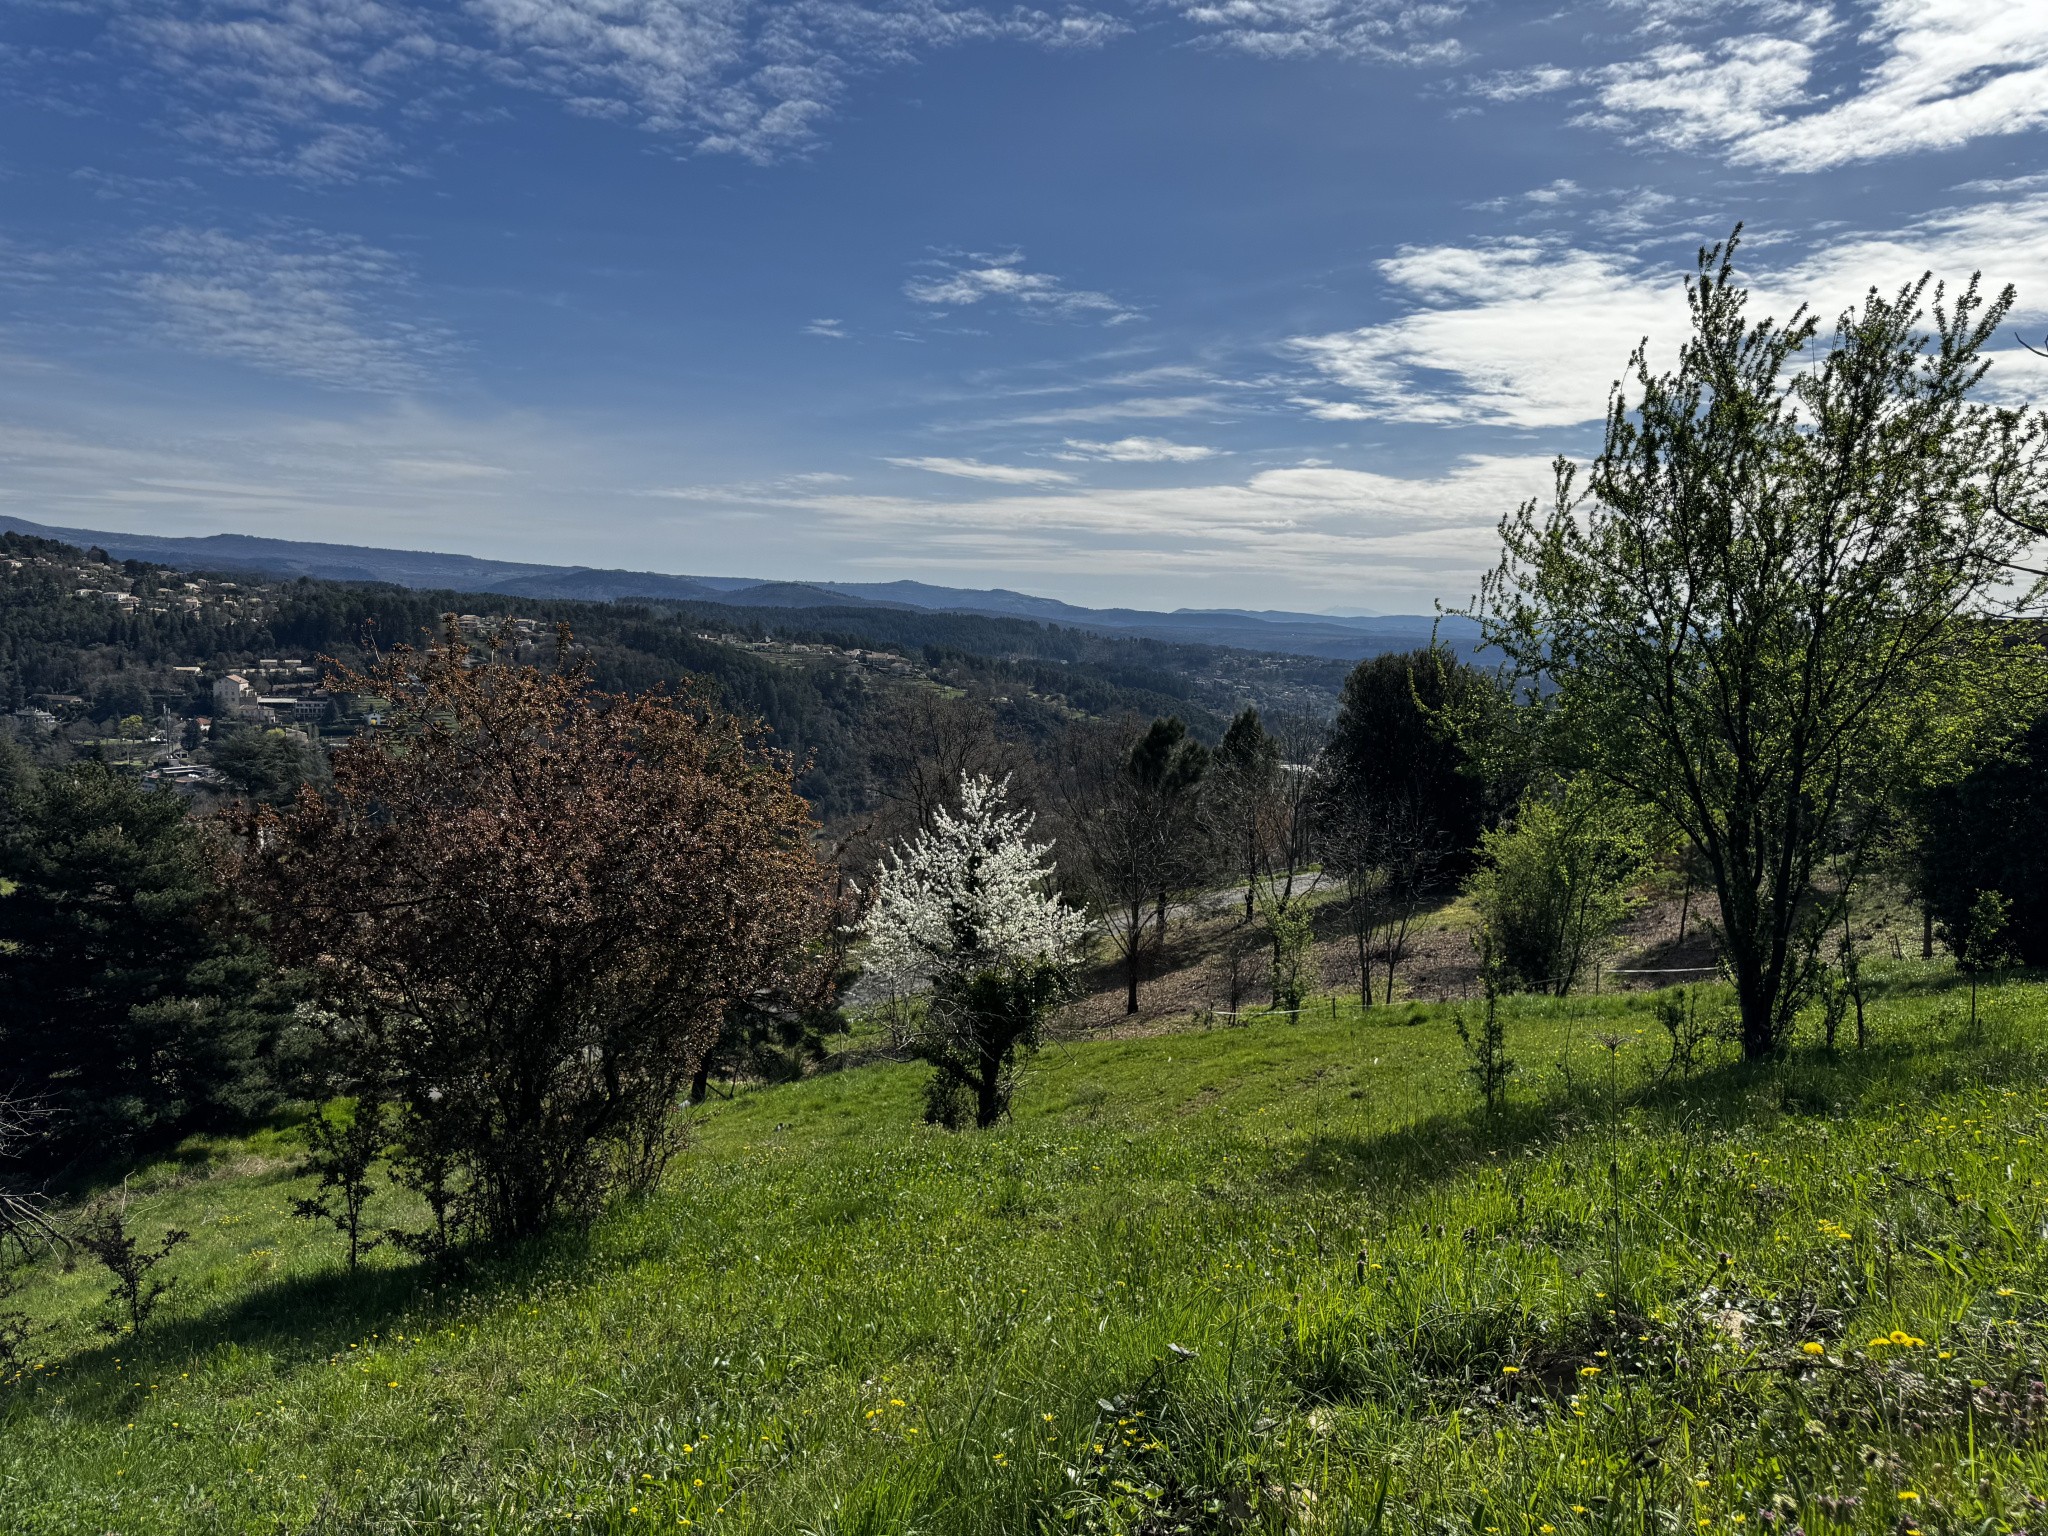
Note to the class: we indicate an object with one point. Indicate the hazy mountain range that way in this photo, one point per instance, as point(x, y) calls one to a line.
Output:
point(1304, 634)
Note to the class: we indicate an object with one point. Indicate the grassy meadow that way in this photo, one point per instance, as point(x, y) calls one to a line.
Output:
point(1288, 1276)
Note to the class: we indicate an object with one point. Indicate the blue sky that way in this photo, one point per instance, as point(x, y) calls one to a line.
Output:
point(1260, 303)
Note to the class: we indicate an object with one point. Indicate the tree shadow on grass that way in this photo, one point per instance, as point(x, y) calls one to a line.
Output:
point(1442, 1147)
point(307, 1319)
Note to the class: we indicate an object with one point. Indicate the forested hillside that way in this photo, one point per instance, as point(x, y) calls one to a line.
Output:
point(94, 640)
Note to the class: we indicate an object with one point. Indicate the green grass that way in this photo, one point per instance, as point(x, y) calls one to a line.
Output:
point(1284, 1277)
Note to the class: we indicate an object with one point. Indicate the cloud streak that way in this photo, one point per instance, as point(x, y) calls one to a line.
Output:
point(1139, 450)
point(1004, 280)
point(974, 469)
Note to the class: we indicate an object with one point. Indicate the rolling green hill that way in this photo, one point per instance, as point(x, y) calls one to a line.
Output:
point(1282, 1277)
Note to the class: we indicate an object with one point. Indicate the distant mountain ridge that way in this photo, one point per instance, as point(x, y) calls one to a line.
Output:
point(1304, 634)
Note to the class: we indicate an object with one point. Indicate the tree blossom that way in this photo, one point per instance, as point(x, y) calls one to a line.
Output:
point(968, 896)
point(961, 914)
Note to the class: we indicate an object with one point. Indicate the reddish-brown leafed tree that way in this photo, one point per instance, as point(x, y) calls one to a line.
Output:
point(526, 907)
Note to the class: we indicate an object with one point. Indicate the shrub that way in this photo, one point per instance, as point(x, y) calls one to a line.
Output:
point(340, 1153)
point(102, 1231)
point(1555, 882)
point(526, 909)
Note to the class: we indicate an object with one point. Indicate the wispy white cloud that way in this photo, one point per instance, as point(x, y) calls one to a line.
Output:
point(1131, 408)
point(833, 329)
point(1309, 528)
point(309, 305)
point(974, 469)
point(1531, 333)
point(961, 282)
point(1139, 450)
point(286, 86)
point(321, 89)
point(1393, 31)
point(1944, 72)
point(1517, 333)
point(1516, 84)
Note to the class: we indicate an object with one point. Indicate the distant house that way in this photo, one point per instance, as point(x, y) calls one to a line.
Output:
point(295, 707)
point(36, 719)
point(231, 693)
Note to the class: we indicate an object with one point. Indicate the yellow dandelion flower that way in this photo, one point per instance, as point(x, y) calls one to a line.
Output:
point(1813, 1349)
point(1511, 1370)
point(1589, 1370)
point(1908, 1496)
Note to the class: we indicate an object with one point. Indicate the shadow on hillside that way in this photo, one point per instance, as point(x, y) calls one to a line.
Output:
point(306, 1319)
point(1445, 1146)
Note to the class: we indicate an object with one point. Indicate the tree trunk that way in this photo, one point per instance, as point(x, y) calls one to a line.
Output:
point(1133, 954)
point(1758, 1013)
point(700, 1084)
point(988, 1086)
point(1364, 969)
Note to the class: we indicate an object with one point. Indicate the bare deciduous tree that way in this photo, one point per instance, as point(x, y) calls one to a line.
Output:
point(1130, 837)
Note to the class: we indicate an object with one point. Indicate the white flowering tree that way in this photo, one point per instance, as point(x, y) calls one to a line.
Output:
point(962, 916)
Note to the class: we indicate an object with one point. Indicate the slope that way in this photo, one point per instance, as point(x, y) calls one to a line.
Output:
point(1285, 1277)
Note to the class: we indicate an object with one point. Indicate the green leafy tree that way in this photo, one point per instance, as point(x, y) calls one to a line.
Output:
point(1131, 831)
point(1291, 939)
point(1555, 883)
point(1983, 945)
point(1760, 613)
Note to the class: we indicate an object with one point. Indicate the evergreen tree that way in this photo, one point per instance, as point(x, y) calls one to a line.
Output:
point(122, 1008)
point(1392, 745)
